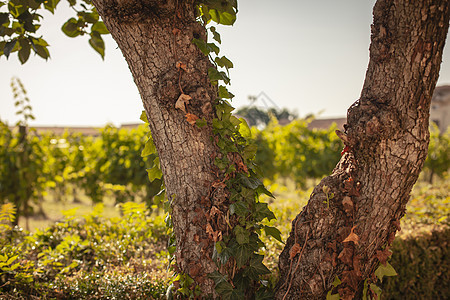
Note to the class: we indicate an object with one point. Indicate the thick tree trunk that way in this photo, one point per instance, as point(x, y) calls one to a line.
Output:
point(386, 144)
point(155, 38)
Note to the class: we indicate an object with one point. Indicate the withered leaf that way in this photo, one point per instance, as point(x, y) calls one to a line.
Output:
point(348, 204)
point(352, 237)
point(294, 251)
point(181, 65)
point(182, 101)
point(351, 279)
point(191, 118)
point(383, 255)
point(346, 256)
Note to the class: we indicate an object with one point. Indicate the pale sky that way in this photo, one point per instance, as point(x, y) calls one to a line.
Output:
point(308, 56)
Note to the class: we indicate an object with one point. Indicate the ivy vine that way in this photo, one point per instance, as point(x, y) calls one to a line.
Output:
point(237, 251)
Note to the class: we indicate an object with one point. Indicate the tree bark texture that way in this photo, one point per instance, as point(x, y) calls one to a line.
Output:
point(155, 37)
point(348, 233)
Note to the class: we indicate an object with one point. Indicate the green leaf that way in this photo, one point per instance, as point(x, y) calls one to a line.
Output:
point(201, 44)
point(11, 259)
point(224, 62)
point(256, 267)
point(41, 51)
point(149, 148)
point(385, 270)
point(239, 208)
point(200, 123)
point(143, 117)
point(332, 296)
point(336, 281)
point(250, 150)
point(224, 18)
point(242, 254)
point(97, 43)
point(274, 232)
point(50, 5)
point(262, 211)
point(226, 290)
point(70, 28)
point(217, 277)
point(215, 75)
point(223, 92)
point(242, 235)
point(100, 28)
point(91, 17)
point(216, 35)
point(154, 173)
point(25, 49)
point(9, 46)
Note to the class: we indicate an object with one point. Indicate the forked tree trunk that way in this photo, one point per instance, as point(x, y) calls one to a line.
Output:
point(156, 39)
point(387, 140)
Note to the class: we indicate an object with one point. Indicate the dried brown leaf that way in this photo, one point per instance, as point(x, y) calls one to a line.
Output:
point(191, 118)
point(383, 255)
point(352, 237)
point(294, 251)
point(182, 101)
point(346, 256)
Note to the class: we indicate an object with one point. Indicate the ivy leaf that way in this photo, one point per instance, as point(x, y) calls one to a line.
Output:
point(143, 117)
point(217, 277)
point(262, 211)
point(242, 235)
point(215, 75)
point(250, 150)
point(154, 173)
point(242, 253)
point(149, 148)
point(224, 62)
point(223, 92)
point(226, 290)
point(385, 270)
point(216, 35)
point(256, 267)
point(224, 18)
point(274, 232)
point(332, 296)
point(239, 208)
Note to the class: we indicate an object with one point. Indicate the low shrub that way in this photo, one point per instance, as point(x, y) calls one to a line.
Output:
point(423, 266)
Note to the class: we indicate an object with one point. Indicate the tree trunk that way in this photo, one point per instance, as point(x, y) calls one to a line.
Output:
point(386, 142)
point(155, 39)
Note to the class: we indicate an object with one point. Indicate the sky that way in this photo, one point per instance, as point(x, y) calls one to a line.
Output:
point(307, 56)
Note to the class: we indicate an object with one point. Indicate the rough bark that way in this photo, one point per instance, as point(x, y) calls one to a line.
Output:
point(156, 40)
point(386, 144)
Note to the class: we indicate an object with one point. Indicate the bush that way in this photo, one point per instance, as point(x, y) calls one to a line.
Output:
point(423, 267)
